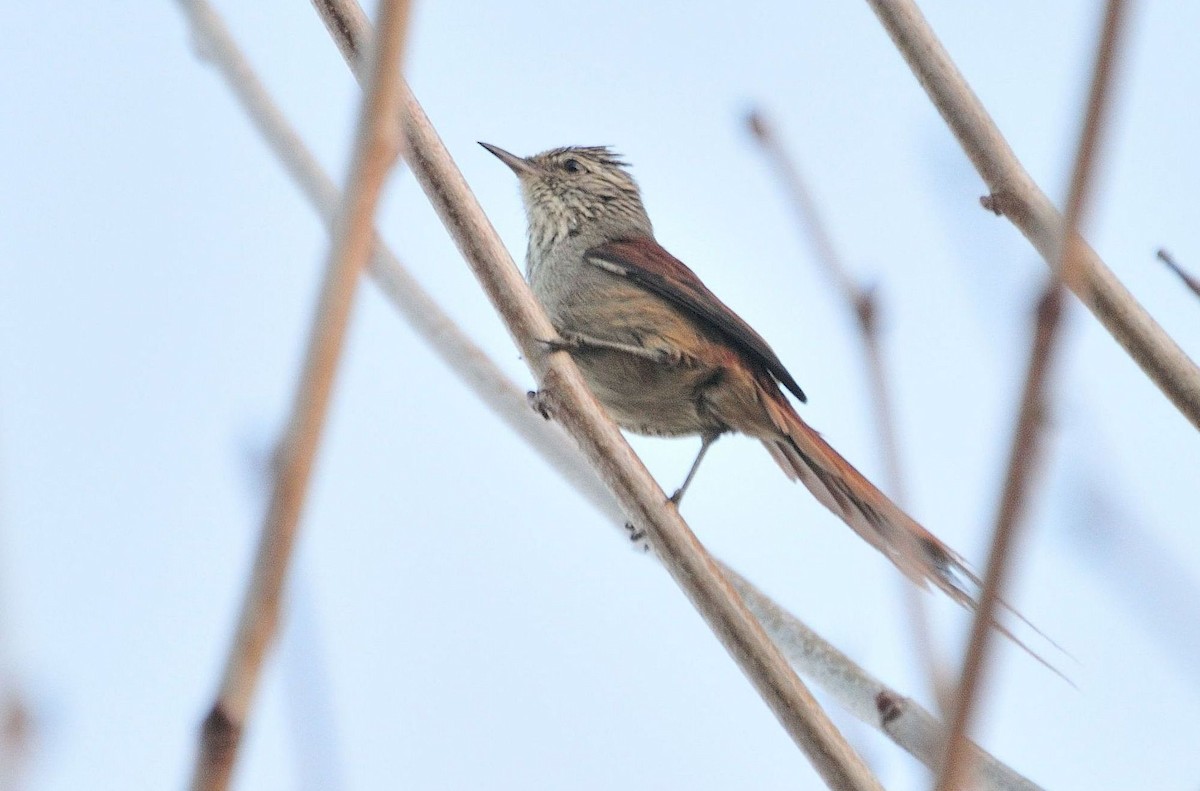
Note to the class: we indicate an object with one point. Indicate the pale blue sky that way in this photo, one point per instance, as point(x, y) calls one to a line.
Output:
point(475, 624)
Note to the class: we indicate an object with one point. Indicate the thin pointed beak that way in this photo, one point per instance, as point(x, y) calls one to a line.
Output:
point(519, 165)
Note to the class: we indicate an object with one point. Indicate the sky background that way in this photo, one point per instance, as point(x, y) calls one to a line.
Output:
point(460, 618)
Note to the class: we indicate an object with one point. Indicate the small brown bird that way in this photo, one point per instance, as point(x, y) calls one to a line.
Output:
point(667, 358)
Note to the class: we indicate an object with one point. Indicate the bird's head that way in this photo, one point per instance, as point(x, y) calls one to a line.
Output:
point(567, 189)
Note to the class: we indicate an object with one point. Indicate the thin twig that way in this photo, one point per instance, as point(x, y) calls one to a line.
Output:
point(376, 148)
point(567, 398)
point(918, 732)
point(1015, 194)
point(807, 213)
point(862, 303)
point(1189, 280)
point(1024, 455)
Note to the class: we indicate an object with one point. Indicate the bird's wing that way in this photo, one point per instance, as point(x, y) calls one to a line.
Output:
point(644, 261)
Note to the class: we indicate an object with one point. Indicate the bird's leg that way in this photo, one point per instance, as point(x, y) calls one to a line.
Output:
point(706, 441)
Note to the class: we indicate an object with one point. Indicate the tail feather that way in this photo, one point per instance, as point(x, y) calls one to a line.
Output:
point(924, 559)
point(921, 556)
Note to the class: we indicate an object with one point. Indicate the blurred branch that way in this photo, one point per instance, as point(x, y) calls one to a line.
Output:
point(302, 657)
point(17, 722)
point(16, 735)
point(857, 298)
point(1024, 455)
point(565, 396)
point(376, 148)
point(1189, 280)
point(1015, 194)
point(806, 650)
point(863, 304)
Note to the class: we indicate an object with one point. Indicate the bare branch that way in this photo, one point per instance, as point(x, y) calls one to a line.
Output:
point(376, 149)
point(1024, 456)
point(1014, 194)
point(864, 306)
point(572, 404)
point(1189, 280)
point(806, 650)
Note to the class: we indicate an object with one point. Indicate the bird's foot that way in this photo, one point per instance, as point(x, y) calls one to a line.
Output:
point(539, 403)
point(637, 536)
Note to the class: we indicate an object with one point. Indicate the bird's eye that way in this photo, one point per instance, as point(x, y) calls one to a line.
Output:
point(572, 166)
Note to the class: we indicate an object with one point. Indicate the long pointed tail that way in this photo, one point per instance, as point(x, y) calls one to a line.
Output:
point(921, 556)
point(805, 456)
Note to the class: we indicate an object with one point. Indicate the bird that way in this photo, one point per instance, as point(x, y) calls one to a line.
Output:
point(666, 357)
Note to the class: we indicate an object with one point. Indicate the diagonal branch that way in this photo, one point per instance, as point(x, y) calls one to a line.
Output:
point(913, 729)
point(1024, 454)
point(375, 151)
point(567, 398)
point(1015, 194)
